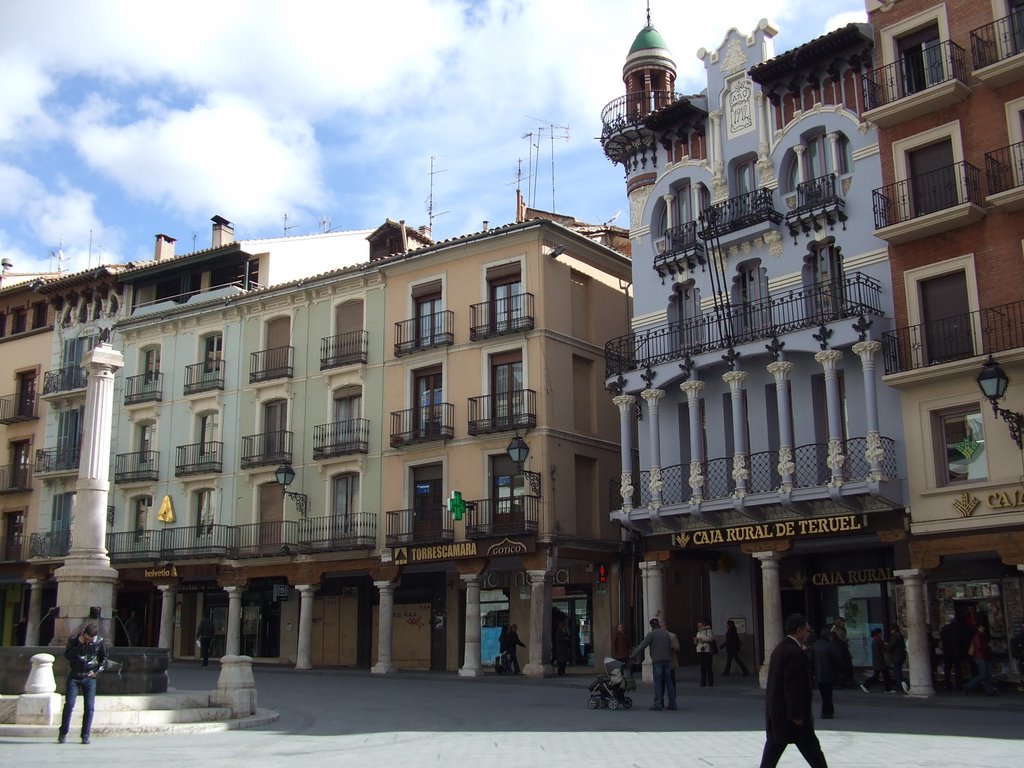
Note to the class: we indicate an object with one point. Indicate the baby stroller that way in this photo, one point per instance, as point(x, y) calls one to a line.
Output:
point(610, 690)
point(503, 663)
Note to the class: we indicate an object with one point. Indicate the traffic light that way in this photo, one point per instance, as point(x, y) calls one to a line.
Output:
point(601, 573)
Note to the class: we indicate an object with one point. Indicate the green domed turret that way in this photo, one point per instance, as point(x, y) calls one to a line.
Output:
point(648, 38)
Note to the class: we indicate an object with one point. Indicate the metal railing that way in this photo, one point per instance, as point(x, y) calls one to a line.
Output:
point(632, 109)
point(429, 525)
point(60, 459)
point(144, 388)
point(503, 411)
point(798, 308)
point(50, 544)
point(341, 438)
point(679, 245)
point(190, 541)
point(64, 379)
point(21, 406)
point(422, 424)
point(139, 466)
point(914, 73)
point(278, 537)
point(513, 516)
point(333, 533)
point(266, 448)
point(936, 190)
point(816, 192)
point(269, 364)
point(738, 213)
point(1004, 168)
point(134, 545)
point(999, 40)
point(426, 332)
point(202, 377)
point(198, 459)
point(512, 314)
point(15, 478)
point(985, 331)
point(344, 349)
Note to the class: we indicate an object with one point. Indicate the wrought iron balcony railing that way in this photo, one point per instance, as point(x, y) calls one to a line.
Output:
point(341, 438)
point(269, 364)
point(66, 379)
point(503, 411)
point(513, 516)
point(809, 307)
point(426, 332)
point(336, 533)
point(817, 204)
point(512, 314)
point(738, 213)
point(50, 544)
point(930, 192)
point(124, 546)
point(1005, 168)
point(21, 406)
point(199, 459)
point(915, 73)
point(344, 349)
point(632, 109)
point(986, 331)
point(193, 541)
point(678, 249)
point(428, 525)
point(999, 40)
point(61, 459)
point(137, 467)
point(266, 448)
point(15, 478)
point(422, 424)
point(206, 376)
point(144, 388)
point(280, 537)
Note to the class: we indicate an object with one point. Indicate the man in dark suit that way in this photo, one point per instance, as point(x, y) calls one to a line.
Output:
point(788, 699)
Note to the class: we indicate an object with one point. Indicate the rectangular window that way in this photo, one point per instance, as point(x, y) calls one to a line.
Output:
point(346, 503)
point(213, 350)
point(39, 314)
point(3, 326)
point(203, 501)
point(960, 446)
point(14, 534)
point(142, 505)
point(505, 294)
point(428, 395)
point(60, 514)
point(19, 324)
point(920, 60)
point(945, 315)
point(933, 179)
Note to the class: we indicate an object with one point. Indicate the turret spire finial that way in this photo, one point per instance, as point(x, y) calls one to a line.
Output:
point(648, 13)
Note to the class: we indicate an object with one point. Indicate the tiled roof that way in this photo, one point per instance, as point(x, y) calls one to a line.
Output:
point(820, 50)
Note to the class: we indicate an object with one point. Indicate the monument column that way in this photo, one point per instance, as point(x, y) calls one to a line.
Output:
point(303, 656)
point(471, 664)
point(35, 611)
point(385, 620)
point(233, 642)
point(168, 604)
point(771, 596)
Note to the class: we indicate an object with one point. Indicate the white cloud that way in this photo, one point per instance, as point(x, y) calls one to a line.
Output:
point(22, 90)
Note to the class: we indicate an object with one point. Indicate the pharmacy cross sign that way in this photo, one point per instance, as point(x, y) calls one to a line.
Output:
point(456, 505)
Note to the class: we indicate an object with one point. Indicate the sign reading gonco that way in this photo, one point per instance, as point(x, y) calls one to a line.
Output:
point(783, 529)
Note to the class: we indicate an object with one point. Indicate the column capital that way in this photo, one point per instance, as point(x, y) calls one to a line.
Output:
point(167, 588)
point(232, 590)
point(307, 589)
point(866, 349)
point(651, 565)
point(715, 115)
point(624, 401)
point(538, 575)
point(668, 197)
point(734, 379)
point(103, 358)
point(692, 389)
point(828, 358)
point(910, 575)
point(472, 578)
point(799, 149)
point(385, 586)
point(780, 369)
point(768, 559)
point(34, 583)
point(652, 395)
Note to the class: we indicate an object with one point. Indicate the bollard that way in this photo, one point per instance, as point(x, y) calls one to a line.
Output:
point(236, 687)
point(39, 704)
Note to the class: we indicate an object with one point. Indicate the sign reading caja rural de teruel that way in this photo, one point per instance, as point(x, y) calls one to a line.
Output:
point(781, 529)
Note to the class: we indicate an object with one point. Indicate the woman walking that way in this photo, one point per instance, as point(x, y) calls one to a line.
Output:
point(732, 647)
point(704, 643)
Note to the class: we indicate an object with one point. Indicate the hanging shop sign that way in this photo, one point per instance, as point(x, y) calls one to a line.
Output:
point(782, 529)
point(459, 550)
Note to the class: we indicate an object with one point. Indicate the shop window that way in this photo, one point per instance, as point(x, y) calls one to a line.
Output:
point(960, 446)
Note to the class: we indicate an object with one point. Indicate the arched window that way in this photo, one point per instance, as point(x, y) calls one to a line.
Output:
point(686, 311)
point(751, 310)
point(824, 286)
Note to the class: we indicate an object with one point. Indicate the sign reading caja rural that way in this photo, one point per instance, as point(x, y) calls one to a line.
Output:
point(783, 529)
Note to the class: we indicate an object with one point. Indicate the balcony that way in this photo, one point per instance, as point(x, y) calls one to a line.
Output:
point(199, 459)
point(809, 307)
point(66, 379)
point(740, 212)
point(280, 537)
point(266, 448)
point(62, 459)
point(270, 364)
point(514, 516)
point(422, 424)
point(138, 467)
point(204, 377)
point(817, 205)
point(516, 409)
point(344, 349)
point(1004, 169)
point(21, 406)
point(195, 541)
point(130, 546)
point(341, 438)
point(679, 250)
point(500, 317)
point(427, 332)
point(411, 527)
point(987, 331)
point(916, 85)
point(49, 545)
point(15, 478)
point(144, 388)
point(996, 50)
point(337, 533)
point(925, 205)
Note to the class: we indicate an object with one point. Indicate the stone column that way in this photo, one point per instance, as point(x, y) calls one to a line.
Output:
point(833, 144)
point(168, 604)
point(652, 572)
point(304, 654)
point(471, 663)
point(874, 453)
point(740, 472)
point(781, 371)
point(670, 214)
point(35, 611)
point(385, 620)
point(540, 623)
point(764, 159)
point(652, 397)
point(771, 596)
point(85, 583)
point(233, 642)
point(799, 149)
point(828, 359)
point(625, 404)
point(916, 631)
point(719, 183)
point(693, 390)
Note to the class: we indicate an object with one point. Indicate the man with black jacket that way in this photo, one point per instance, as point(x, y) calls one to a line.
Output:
point(86, 654)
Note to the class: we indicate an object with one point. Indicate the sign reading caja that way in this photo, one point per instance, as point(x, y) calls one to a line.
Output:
point(783, 529)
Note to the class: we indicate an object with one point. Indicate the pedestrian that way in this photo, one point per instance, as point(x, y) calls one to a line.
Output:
point(660, 644)
point(896, 647)
point(981, 652)
point(844, 676)
point(133, 629)
point(839, 627)
point(705, 645)
point(732, 647)
point(788, 716)
point(563, 646)
point(826, 662)
point(951, 638)
point(204, 634)
point(674, 659)
point(514, 644)
point(879, 664)
point(620, 644)
point(86, 654)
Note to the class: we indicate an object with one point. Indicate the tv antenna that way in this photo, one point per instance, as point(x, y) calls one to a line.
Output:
point(430, 198)
point(59, 255)
point(555, 131)
point(284, 218)
point(325, 224)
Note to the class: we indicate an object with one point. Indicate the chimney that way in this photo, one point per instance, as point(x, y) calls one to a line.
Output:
point(164, 248)
point(486, 223)
point(223, 231)
point(424, 229)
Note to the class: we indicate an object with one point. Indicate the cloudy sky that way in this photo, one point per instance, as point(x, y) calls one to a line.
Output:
point(122, 119)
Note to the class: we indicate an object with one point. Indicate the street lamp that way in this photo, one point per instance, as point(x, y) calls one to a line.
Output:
point(518, 450)
point(993, 381)
point(285, 475)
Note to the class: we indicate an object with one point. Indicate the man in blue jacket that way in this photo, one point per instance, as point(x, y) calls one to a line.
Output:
point(86, 654)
